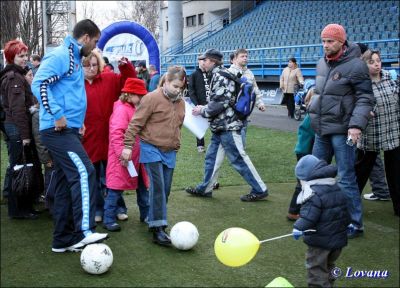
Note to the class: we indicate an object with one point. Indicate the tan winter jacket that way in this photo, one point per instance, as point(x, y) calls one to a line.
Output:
point(289, 79)
point(157, 121)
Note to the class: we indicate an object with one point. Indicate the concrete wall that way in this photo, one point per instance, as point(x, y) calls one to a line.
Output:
point(211, 10)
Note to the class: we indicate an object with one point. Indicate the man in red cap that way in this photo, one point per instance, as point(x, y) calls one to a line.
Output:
point(339, 112)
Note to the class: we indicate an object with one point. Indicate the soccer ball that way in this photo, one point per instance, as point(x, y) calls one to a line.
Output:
point(184, 235)
point(96, 258)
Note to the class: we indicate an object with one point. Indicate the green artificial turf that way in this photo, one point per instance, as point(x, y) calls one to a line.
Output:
point(27, 260)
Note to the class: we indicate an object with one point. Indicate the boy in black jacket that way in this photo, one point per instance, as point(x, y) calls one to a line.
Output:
point(324, 209)
point(199, 92)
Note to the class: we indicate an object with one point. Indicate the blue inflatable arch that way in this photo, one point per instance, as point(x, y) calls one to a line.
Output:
point(137, 30)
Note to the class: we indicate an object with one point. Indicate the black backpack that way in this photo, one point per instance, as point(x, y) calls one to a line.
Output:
point(244, 98)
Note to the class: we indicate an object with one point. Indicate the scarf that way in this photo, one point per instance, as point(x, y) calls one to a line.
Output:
point(171, 96)
point(337, 55)
point(306, 192)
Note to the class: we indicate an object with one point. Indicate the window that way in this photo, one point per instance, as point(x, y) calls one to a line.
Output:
point(191, 21)
point(201, 19)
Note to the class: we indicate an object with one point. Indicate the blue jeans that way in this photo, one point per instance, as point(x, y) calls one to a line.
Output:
point(244, 132)
point(160, 186)
point(231, 143)
point(327, 146)
point(114, 203)
point(111, 205)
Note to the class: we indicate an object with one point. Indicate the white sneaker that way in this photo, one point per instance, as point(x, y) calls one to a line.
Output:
point(98, 219)
point(122, 216)
point(92, 238)
point(200, 149)
point(78, 247)
point(70, 249)
point(373, 197)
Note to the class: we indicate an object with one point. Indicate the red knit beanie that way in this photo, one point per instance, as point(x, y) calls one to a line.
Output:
point(334, 31)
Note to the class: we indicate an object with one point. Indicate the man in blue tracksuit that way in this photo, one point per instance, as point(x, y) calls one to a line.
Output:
point(59, 87)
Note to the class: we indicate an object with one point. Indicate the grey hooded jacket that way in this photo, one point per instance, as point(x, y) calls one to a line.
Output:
point(343, 94)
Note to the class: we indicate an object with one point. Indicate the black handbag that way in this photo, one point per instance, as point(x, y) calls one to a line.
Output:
point(23, 178)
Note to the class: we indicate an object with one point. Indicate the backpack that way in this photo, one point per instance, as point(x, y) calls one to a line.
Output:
point(244, 98)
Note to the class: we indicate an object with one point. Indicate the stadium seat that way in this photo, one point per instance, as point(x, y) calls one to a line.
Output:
point(291, 23)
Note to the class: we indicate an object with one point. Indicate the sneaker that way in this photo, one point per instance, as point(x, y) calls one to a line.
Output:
point(66, 249)
point(355, 233)
point(90, 239)
point(201, 149)
point(373, 197)
point(122, 216)
point(216, 186)
point(293, 217)
point(195, 192)
point(98, 219)
point(113, 227)
point(251, 197)
point(42, 199)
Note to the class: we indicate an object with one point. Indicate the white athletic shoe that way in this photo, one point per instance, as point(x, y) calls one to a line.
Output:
point(78, 247)
point(69, 249)
point(373, 197)
point(122, 217)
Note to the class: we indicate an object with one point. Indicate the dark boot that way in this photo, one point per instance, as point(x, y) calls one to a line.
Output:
point(160, 236)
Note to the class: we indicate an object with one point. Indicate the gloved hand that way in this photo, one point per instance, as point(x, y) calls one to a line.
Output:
point(297, 234)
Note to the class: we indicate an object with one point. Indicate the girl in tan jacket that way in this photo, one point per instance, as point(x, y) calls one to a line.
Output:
point(158, 121)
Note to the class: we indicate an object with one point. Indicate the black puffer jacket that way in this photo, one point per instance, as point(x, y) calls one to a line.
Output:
point(326, 211)
point(197, 87)
point(343, 94)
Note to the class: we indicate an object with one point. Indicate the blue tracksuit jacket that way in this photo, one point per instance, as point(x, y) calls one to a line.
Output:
point(59, 86)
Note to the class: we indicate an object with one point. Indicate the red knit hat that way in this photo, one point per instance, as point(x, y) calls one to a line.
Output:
point(334, 31)
point(135, 86)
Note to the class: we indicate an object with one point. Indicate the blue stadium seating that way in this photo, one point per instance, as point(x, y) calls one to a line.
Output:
point(296, 23)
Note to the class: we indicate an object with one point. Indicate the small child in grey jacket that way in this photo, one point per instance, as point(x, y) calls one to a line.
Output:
point(323, 208)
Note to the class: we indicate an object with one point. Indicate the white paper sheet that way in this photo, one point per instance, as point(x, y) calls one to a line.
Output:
point(196, 124)
point(131, 169)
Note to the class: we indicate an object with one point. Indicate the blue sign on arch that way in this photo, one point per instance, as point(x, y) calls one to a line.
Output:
point(135, 29)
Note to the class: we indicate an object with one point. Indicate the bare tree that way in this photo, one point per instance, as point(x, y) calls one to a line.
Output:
point(23, 20)
point(142, 12)
point(9, 15)
point(87, 10)
point(30, 25)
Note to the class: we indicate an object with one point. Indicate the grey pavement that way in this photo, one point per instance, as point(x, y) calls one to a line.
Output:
point(274, 117)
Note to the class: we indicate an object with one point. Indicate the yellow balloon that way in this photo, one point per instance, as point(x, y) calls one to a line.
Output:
point(235, 247)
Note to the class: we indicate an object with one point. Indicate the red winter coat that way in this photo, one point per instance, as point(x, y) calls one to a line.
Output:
point(117, 176)
point(101, 94)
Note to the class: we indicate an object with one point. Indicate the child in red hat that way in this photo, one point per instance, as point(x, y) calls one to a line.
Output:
point(118, 178)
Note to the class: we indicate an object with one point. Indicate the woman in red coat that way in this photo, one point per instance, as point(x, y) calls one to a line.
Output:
point(118, 177)
point(102, 90)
